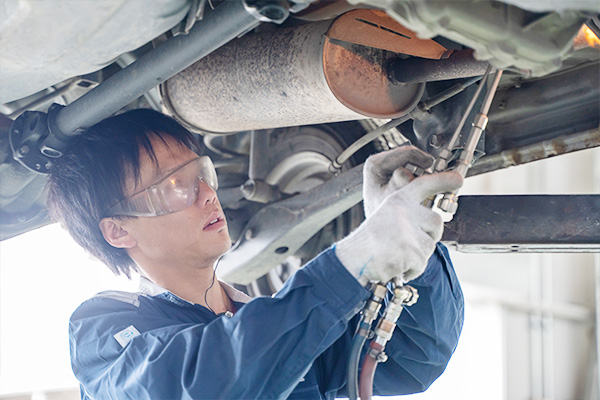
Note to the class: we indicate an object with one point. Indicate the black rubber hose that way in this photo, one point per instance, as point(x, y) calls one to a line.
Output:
point(353, 364)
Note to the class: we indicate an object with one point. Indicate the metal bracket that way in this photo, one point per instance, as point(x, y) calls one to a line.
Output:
point(275, 11)
point(280, 229)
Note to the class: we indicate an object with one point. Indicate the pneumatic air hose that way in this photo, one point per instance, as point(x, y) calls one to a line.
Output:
point(403, 296)
point(370, 312)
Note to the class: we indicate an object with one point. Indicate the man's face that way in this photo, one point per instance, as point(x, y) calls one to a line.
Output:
point(190, 236)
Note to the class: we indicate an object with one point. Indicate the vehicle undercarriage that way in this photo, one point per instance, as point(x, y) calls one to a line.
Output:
point(280, 90)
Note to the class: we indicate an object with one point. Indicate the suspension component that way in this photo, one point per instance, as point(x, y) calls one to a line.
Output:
point(260, 191)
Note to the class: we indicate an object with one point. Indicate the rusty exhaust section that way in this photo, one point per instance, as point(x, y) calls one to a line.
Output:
point(374, 28)
point(310, 74)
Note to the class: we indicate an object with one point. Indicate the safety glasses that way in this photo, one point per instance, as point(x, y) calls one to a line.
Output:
point(173, 193)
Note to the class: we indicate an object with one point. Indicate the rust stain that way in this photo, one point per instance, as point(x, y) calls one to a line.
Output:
point(536, 151)
point(358, 78)
point(376, 29)
point(559, 146)
point(515, 155)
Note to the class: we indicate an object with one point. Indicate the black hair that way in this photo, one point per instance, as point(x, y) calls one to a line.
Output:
point(91, 175)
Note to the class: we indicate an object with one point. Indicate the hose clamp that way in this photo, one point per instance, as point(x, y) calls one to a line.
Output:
point(378, 355)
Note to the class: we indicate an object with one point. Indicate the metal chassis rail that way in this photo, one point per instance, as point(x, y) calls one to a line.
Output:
point(526, 224)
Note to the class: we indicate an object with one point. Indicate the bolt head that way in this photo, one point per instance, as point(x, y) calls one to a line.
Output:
point(248, 188)
point(436, 141)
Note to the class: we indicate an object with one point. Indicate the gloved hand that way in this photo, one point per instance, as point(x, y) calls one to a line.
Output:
point(384, 173)
point(400, 235)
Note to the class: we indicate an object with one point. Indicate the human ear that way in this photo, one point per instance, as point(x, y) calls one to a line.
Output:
point(115, 234)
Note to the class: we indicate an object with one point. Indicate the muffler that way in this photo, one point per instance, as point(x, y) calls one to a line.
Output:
point(321, 72)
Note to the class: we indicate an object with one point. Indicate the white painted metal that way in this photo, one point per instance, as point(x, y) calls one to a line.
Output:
point(75, 45)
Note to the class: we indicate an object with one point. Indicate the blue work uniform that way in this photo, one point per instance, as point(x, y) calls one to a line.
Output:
point(155, 345)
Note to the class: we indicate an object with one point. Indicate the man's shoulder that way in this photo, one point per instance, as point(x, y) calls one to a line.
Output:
point(108, 302)
point(132, 298)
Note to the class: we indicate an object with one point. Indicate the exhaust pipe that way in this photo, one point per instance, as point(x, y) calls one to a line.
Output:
point(296, 76)
point(460, 64)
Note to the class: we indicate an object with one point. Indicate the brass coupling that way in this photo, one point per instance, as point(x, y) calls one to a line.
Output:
point(373, 306)
point(403, 296)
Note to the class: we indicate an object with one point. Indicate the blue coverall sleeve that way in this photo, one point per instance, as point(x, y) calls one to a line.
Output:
point(425, 337)
point(263, 351)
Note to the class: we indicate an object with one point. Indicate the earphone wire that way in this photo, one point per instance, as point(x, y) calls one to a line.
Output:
point(211, 285)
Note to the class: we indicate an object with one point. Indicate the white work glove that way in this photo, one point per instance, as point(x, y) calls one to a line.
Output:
point(384, 173)
point(397, 240)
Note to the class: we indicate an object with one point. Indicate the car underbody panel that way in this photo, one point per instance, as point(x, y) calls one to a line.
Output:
point(47, 42)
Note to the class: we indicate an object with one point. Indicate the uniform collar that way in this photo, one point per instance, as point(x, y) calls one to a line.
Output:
point(150, 288)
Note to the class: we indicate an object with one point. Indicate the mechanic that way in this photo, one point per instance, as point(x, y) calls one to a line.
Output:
point(136, 192)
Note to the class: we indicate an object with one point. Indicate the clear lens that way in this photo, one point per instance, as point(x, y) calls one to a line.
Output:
point(208, 173)
point(175, 192)
point(180, 189)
